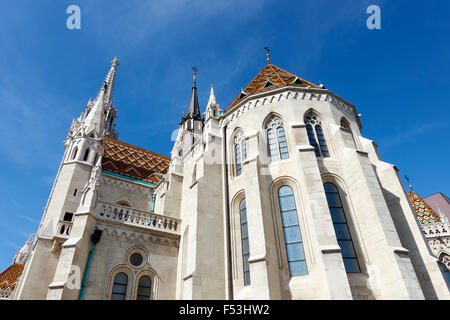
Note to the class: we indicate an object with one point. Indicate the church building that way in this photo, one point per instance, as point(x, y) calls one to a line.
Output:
point(277, 196)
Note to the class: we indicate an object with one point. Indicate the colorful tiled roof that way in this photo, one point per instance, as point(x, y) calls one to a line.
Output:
point(423, 211)
point(134, 162)
point(9, 277)
point(268, 78)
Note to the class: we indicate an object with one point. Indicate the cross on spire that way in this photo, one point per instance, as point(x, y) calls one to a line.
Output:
point(409, 184)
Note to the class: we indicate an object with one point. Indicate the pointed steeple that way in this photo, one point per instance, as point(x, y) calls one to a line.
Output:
point(212, 97)
point(212, 108)
point(193, 108)
point(110, 80)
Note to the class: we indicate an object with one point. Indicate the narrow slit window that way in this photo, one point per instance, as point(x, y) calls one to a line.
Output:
point(240, 152)
point(245, 242)
point(86, 155)
point(74, 154)
point(272, 145)
point(282, 143)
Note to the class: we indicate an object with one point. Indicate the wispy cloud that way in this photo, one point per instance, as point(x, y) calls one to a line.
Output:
point(29, 219)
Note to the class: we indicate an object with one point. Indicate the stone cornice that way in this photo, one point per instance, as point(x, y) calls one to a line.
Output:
point(289, 92)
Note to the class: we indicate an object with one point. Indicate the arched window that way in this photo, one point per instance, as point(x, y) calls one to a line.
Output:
point(245, 241)
point(291, 230)
point(86, 155)
point(144, 288)
point(347, 134)
point(74, 153)
point(345, 124)
point(119, 289)
point(341, 228)
point(276, 140)
point(240, 152)
point(316, 136)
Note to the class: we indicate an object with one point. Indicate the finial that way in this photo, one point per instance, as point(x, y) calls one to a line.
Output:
point(409, 184)
point(194, 68)
point(212, 96)
point(267, 54)
point(115, 62)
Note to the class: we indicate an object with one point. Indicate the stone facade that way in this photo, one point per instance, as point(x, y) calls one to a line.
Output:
point(188, 226)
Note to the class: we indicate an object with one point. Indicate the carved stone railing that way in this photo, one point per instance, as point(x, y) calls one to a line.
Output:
point(63, 229)
point(434, 230)
point(138, 218)
point(5, 294)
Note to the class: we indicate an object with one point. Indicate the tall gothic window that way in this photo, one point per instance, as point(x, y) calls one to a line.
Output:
point(347, 134)
point(291, 230)
point(245, 241)
point(276, 139)
point(341, 228)
point(240, 152)
point(144, 288)
point(119, 289)
point(316, 136)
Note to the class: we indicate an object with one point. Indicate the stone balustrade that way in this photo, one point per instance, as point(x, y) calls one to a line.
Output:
point(434, 230)
point(63, 229)
point(137, 218)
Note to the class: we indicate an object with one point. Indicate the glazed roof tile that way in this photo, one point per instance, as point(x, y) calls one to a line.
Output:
point(134, 162)
point(424, 213)
point(9, 277)
point(268, 78)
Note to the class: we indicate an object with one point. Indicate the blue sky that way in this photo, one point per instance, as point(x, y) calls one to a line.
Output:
point(397, 77)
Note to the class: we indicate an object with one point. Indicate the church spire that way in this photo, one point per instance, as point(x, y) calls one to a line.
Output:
point(193, 108)
point(95, 120)
point(110, 80)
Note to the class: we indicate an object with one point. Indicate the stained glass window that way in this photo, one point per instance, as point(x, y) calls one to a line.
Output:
point(144, 288)
point(291, 230)
point(119, 290)
point(316, 136)
point(240, 152)
point(341, 229)
point(277, 143)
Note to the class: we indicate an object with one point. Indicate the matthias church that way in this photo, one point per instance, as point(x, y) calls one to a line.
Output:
point(276, 196)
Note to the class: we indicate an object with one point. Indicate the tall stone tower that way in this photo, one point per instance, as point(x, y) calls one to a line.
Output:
point(73, 195)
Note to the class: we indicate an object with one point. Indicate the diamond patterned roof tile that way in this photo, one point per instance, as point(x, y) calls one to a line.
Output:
point(424, 213)
point(278, 78)
point(9, 277)
point(134, 162)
